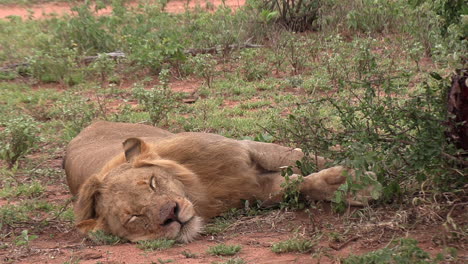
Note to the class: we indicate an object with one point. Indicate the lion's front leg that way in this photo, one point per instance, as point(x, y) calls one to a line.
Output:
point(323, 184)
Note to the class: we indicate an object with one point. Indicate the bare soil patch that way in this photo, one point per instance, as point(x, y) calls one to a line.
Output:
point(50, 9)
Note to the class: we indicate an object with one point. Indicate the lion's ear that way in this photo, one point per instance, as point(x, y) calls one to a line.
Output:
point(134, 147)
point(85, 206)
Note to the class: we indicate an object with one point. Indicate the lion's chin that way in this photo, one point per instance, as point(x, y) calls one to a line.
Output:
point(190, 230)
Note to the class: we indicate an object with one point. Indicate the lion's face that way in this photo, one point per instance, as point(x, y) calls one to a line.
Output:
point(139, 200)
point(146, 203)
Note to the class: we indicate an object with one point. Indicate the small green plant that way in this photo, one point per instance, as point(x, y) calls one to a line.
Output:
point(250, 67)
point(75, 112)
point(293, 245)
point(157, 244)
point(102, 238)
point(291, 189)
point(204, 66)
point(224, 250)
point(24, 238)
point(404, 251)
point(297, 52)
point(18, 138)
point(159, 101)
point(102, 67)
point(66, 215)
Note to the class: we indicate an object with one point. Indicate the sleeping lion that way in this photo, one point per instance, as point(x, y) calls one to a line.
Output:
point(141, 182)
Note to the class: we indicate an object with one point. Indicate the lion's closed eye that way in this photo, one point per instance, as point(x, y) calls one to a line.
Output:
point(153, 183)
point(132, 219)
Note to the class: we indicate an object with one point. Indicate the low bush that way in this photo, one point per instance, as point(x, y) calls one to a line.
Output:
point(19, 136)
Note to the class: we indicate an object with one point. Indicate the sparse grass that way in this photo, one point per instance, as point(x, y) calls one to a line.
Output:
point(224, 250)
point(293, 245)
point(157, 244)
point(102, 238)
point(30, 190)
point(236, 260)
point(254, 105)
point(401, 251)
point(23, 212)
point(218, 225)
point(163, 261)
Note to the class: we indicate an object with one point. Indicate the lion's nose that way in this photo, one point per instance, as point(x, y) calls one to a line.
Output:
point(168, 213)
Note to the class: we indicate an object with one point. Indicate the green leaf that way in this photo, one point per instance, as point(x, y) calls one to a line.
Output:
point(435, 75)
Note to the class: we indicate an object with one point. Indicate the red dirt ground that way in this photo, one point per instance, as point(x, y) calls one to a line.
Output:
point(48, 9)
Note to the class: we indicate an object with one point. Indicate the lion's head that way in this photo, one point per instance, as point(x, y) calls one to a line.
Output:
point(142, 197)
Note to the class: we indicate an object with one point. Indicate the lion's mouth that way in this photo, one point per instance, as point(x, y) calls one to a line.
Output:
point(170, 221)
point(190, 229)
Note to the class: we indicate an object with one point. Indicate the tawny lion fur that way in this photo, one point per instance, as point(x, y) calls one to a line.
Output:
point(159, 184)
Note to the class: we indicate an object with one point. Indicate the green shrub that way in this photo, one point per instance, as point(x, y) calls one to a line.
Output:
point(18, 138)
point(54, 64)
point(224, 250)
point(251, 67)
point(203, 65)
point(86, 31)
point(451, 11)
point(159, 101)
point(296, 16)
point(370, 16)
point(400, 138)
point(75, 112)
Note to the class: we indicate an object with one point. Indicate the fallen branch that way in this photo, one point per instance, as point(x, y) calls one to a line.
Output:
point(344, 244)
point(112, 55)
point(88, 59)
point(119, 54)
point(221, 49)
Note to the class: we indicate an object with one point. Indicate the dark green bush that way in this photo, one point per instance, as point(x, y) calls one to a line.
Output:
point(296, 16)
point(376, 121)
